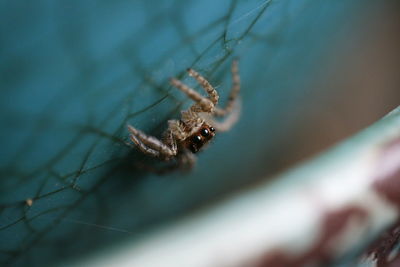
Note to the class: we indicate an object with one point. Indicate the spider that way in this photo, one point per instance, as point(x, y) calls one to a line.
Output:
point(197, 126)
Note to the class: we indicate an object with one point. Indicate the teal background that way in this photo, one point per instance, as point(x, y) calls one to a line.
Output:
point(74, 73)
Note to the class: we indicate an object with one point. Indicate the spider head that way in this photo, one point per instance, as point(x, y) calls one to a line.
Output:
point(200, 138)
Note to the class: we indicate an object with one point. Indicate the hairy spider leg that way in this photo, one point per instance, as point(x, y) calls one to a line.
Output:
point(233, 94)
point(203, 104)
point(213, 94)
point(150, 145)
point(142, 147)
point(169, 139)
point(176, 131)
point(227, 123)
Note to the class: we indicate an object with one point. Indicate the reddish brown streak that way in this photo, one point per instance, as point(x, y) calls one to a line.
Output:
point(333, 224)
point(387, 184)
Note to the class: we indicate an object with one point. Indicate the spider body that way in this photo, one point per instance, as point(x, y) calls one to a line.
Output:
point(196, 141)
point(197, 126)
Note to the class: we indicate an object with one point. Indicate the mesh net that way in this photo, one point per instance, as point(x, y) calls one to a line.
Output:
point(75, 73)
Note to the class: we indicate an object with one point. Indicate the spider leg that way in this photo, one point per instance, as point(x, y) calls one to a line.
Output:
point(204, 104)
point(151, 145)
point(234, 92)
point(175, 131)
point(229, 120)
point(170, 141)
point(213, 94)
point(142, 147)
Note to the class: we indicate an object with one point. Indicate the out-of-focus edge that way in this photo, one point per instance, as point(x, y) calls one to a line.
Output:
point(341, 207)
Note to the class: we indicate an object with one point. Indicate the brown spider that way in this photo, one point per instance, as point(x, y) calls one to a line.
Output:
point(197, 125)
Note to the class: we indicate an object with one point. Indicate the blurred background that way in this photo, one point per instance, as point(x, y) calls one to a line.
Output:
point(74, 73)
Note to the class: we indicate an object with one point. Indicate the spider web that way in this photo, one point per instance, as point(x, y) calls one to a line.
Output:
point(74, 74)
